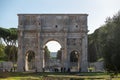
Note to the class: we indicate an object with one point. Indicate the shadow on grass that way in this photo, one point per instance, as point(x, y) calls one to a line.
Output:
point(52, 76)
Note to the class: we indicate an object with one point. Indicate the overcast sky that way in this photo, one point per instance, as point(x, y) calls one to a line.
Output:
point(98, 10)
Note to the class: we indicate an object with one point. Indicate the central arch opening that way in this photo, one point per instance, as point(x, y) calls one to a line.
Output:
point(53, 46)
point(52, 56)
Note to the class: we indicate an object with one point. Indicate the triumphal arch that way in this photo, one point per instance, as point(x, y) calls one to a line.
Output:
point(35, 30)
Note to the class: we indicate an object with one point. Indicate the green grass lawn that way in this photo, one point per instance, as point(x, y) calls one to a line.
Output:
point(55, 76)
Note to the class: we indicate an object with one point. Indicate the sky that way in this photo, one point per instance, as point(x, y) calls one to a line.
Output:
point(97, 10)
point(53, 46)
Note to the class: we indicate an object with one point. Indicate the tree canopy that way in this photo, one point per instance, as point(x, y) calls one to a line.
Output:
point(105, 42)
point(46, 54)
point(9, 37)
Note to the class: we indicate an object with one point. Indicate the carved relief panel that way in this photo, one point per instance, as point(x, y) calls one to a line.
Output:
point(73, 41)
point(30, 42)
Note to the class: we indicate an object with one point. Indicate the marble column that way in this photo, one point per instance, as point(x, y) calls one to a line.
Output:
point(84, 61)
point(21, 54)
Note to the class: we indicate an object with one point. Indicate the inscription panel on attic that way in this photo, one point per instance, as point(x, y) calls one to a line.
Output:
point(54, 22)
point(28, 20)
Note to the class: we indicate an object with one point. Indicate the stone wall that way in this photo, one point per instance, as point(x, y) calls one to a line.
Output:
point(6, 66)
point(97, 66)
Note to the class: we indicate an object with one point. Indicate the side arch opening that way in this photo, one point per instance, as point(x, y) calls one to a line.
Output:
point(30, 61)
point(75, 61)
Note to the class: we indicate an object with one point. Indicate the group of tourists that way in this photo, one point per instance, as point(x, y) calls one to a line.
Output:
point(56, 69)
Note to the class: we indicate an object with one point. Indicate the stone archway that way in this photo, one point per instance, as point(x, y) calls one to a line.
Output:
point(53, 62)
point(75, 61)
point(34, 30)
point(30, 61)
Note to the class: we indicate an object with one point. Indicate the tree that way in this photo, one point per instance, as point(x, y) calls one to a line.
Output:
point(11, 53)
point(92, 56)
point(30, 55)
point(9, 37)
point(46, 54)
point(112, 47)
point(74, 56)
point(105, 42)
point(13, 36)
point(4, 34)
point(59, 54)
point(2, 53)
